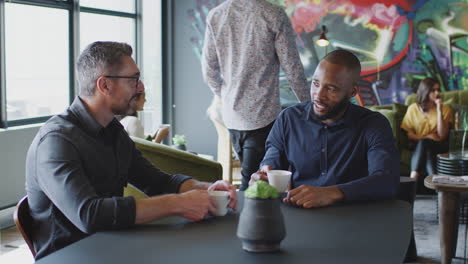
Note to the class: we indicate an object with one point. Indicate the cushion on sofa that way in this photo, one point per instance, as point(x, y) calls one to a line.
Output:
point(452, 98)
point(379, 107)
point(400, 111)
point(390, 115)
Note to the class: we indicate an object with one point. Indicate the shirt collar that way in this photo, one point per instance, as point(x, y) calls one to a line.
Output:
point(348, 118)
point(88, 122)
point(307, 114)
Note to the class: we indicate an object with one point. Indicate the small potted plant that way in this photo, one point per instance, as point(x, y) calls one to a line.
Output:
point(179, 142)
point(261, 225)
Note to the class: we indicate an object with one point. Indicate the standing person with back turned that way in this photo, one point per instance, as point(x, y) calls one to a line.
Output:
point(246, 42)
point(80, 161)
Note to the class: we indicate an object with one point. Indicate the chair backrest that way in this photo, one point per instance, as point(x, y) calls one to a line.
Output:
point(451, 98)
point(407, 189)
point(224, 149)
point(23, 221)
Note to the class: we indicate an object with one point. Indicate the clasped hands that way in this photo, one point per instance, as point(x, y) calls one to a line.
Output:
point(306, 196)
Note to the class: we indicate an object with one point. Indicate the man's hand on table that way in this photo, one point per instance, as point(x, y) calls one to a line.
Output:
point(195, 204)
point(309, 196)
point(194, 201)
point(260, 175)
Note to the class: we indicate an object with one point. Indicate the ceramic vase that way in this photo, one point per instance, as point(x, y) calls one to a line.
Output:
point(180, 147)
point(261, 225)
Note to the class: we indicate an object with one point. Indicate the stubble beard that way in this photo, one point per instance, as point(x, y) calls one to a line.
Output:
point(335, 111)
point(128, 109)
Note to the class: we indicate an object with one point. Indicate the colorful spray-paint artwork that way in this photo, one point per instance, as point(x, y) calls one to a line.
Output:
point(398, 42)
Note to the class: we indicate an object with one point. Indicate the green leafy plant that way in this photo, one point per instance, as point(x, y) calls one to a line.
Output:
point(179, 140)
point(261, 190)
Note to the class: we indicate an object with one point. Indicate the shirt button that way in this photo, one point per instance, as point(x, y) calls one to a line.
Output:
point(323, 150)
point(325, 127)
point(323, 173)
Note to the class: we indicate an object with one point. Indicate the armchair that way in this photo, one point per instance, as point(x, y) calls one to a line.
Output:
point(174, 161)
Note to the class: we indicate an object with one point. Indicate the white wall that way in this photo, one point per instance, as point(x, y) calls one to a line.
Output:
point(14, 144)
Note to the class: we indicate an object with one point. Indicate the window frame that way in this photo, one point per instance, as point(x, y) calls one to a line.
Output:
point(2, 66)
point(74, 10)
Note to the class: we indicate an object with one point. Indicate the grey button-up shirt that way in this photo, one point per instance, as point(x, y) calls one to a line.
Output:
point(75, 173)
point(245, 43)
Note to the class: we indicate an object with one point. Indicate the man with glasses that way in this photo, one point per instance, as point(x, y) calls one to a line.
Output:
point(80, 160)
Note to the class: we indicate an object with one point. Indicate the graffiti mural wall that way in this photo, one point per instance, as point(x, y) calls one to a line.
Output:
point(398, 42)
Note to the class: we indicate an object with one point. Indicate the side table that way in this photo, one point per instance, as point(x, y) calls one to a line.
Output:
point(449, 208)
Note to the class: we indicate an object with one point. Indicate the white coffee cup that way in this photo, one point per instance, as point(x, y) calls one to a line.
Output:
point(222, 200)
point(279, 179)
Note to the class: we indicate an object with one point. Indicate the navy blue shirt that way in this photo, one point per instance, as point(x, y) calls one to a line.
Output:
point(356, 153)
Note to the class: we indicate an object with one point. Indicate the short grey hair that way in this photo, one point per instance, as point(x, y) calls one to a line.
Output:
point(99, 58)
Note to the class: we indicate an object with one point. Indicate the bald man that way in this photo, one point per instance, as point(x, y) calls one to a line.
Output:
point(335, 149)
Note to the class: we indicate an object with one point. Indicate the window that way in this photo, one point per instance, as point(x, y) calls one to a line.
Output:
point(127, 6)
point(37, 77)
point(39, 42)
point(108, 20)
point(151, 65)
point(94, 27)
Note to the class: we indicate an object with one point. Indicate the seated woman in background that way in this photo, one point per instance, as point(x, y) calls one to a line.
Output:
point(427, 123)
point(134, 127)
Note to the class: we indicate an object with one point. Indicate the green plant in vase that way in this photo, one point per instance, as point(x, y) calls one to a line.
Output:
point(179, 142)
point(261, 225)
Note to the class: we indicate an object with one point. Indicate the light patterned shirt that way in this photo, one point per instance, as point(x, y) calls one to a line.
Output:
point(246, 41)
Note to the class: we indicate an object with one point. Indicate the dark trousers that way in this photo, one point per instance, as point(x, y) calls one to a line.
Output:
point(424, 155)
point(250, 148)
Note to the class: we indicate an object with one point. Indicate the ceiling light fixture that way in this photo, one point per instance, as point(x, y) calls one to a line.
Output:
point(323, 41)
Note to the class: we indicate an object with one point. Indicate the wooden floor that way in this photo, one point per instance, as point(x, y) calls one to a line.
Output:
point(13, 249)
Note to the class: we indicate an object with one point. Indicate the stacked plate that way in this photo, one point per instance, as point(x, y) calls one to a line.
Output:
point(451, 166)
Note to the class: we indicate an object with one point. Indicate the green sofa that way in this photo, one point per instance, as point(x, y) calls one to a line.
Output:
point(395, 113)
point(175, 161)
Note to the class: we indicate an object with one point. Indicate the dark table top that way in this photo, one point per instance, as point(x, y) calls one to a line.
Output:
point(369, 232)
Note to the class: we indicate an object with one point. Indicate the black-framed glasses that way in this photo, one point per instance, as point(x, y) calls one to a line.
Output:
point(136, 78)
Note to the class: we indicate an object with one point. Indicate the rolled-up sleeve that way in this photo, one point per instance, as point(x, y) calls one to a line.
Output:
point(61, 176)
point(383, 158)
